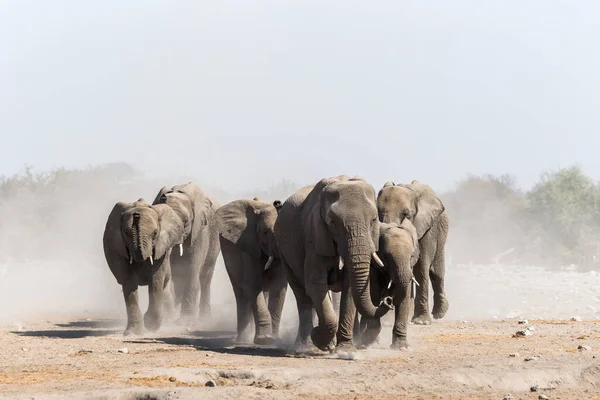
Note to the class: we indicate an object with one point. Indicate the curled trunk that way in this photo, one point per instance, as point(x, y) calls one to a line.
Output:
point(359, 258)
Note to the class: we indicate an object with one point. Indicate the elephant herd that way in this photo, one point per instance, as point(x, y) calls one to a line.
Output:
point(375, 252)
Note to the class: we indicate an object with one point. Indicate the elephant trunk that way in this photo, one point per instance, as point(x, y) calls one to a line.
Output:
point(360, 251)
point(142, 247)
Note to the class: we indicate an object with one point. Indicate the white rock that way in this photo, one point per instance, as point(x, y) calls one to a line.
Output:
point(124, 350)
point(576, 318)
point(523, 322)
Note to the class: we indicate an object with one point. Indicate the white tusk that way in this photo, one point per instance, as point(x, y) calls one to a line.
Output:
point(268, 264)
point(151, 261)
point(180, 249)
point(329, 294)
point(341, 263)
point(413, 278)
point(377, 259)
point(389, 285)
point(130, 259)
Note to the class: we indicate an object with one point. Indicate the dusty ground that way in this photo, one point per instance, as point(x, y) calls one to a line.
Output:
point(80, 358)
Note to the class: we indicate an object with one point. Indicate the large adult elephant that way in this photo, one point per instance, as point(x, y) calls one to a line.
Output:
point(399, 251)
point(318, 226)
point(193, 265)
point(253, 264)
point(137, 242)
point(420, 204)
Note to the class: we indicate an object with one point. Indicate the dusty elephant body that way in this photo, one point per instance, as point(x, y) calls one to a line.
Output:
point(137, 243)
point(419, 204)
point(318, 226)
point(253, 265)
point(193, 263)
point(399, 251)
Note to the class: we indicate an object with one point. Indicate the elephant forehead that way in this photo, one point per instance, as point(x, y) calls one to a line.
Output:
point(148, 216)
point(179, 202)
point(395, 194)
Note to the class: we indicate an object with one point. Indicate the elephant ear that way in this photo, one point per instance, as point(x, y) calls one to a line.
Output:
point(113, 239)
point(115, 251)
point(163, 191)
point(388, 183)
point(318, 233)
point(171, 229)
point(429, 207)
point(237, 223)
point(410, 228)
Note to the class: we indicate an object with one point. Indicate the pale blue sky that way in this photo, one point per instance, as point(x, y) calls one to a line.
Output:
point(242, 93)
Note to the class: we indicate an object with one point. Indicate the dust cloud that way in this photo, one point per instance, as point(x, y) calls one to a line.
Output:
point(52, 263)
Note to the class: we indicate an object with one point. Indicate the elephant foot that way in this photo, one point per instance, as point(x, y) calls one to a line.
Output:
point(152, 322)
point(134, 330)
point(399, 343)
point(345, 346)
point(440, 308)
point(323, 339)
point(422, 319)
point(265, 340)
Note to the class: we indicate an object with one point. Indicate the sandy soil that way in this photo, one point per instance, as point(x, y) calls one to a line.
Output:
point(80, 358)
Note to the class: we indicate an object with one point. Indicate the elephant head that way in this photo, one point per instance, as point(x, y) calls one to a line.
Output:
point(343, 223)
point(416, 202)
point(138, 232)
point(249, 225)
point(190, 204)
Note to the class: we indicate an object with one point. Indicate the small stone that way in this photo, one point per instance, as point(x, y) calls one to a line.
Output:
point(523, 322)
point(24, 349)
point(576, 318)
point(508, 397)
point(514, 355)
point(531, 328)
point(210, 383)
point(124, 350)
point(172, 379)
point(523, 333)
point(533, 389)
point(580, 347)
point(530, 358)
point(542, 397)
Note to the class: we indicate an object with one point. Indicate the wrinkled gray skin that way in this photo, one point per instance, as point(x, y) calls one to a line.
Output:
point(193, 271)
point(137, 245)
point(399, 251)
point(420, 204)
point(247, 244)
point(318, 225)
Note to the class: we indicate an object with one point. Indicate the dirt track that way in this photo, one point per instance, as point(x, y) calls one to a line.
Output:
point(453, 359)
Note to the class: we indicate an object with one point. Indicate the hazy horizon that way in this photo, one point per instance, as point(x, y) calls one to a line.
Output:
point(195, 88)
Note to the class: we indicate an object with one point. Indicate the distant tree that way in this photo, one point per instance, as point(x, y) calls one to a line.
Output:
point(564, 211)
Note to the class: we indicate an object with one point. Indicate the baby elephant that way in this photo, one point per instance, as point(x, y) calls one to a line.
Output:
point(253, 264)
point(399, 251)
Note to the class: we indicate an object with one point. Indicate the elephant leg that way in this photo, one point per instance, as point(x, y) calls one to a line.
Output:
point(304, 305)
point(347, 316)
point(402, 305)
point(262, 318)
point(243, 313)
point(276, 299)
point(316, 286)
point(154, 315)
point(206, 275)
point(437, 273)
point(421, 271)
point(190, 300)
point(169, 299)
point(135, 325)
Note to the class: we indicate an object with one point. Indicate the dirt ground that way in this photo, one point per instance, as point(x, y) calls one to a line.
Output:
point(89, 358)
